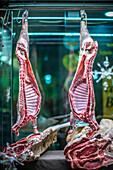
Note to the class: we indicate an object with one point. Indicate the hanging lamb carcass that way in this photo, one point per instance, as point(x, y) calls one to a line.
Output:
point(81, 92)
point(29, 99)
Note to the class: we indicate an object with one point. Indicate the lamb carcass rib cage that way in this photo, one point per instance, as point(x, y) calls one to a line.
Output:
point(29, 99)
point(81, 92)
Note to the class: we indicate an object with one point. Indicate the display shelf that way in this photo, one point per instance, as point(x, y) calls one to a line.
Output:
point(52, 160)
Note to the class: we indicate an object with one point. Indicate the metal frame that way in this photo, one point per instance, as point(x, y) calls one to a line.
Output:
point(11, 74)
point(59, 6)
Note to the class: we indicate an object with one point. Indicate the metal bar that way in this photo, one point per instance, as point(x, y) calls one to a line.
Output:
point(65, 34)
point(52, 33)
point(60, 117)
point(49, 5)
point(59, 6)
point(11, 73)
point(65, 18)
point(50, 25)
point(55, 18)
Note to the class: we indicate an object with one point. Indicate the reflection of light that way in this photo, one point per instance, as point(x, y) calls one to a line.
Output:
point(10, 62)
point(4, 58)
point(71, 42)
point(14, 34)
point(109, 14)
point(109, 44)
point(47, 78)
point(4, 31)
point(95, 76)
point(45, 58)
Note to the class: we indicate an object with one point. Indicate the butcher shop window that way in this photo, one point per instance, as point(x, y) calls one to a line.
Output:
point(54, 53)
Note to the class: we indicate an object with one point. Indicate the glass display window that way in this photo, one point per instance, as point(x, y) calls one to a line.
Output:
point(54, 43)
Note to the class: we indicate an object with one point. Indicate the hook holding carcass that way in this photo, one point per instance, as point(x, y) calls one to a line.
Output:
point(25, 15)
point(83, 15)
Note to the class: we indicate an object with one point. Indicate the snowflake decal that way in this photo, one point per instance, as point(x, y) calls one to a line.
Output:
point(105, 72)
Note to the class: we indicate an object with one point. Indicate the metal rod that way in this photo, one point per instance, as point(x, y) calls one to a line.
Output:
point(60, 117)
point(59, 6)
point(49, 5)
point(65, 18)
point(11, 74)
point(65, 34)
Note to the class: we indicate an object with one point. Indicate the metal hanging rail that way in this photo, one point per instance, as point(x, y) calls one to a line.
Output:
point(64, 18)
point(64, 34)
point(67, 34)
point(59, 6)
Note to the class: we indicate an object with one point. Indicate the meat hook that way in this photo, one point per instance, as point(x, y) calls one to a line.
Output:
point(7, 13)
point(25, 14)
point(83, 15)
point(17, 18)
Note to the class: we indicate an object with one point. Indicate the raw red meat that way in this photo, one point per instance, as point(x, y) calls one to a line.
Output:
point(81, 92)
point(29, 99)
point(88, 152)
point(31, 147)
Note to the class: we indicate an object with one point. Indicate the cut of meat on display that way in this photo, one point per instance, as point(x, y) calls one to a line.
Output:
point(88, 152)
point(29, 99)
point(81, 92)
point(31, 147)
